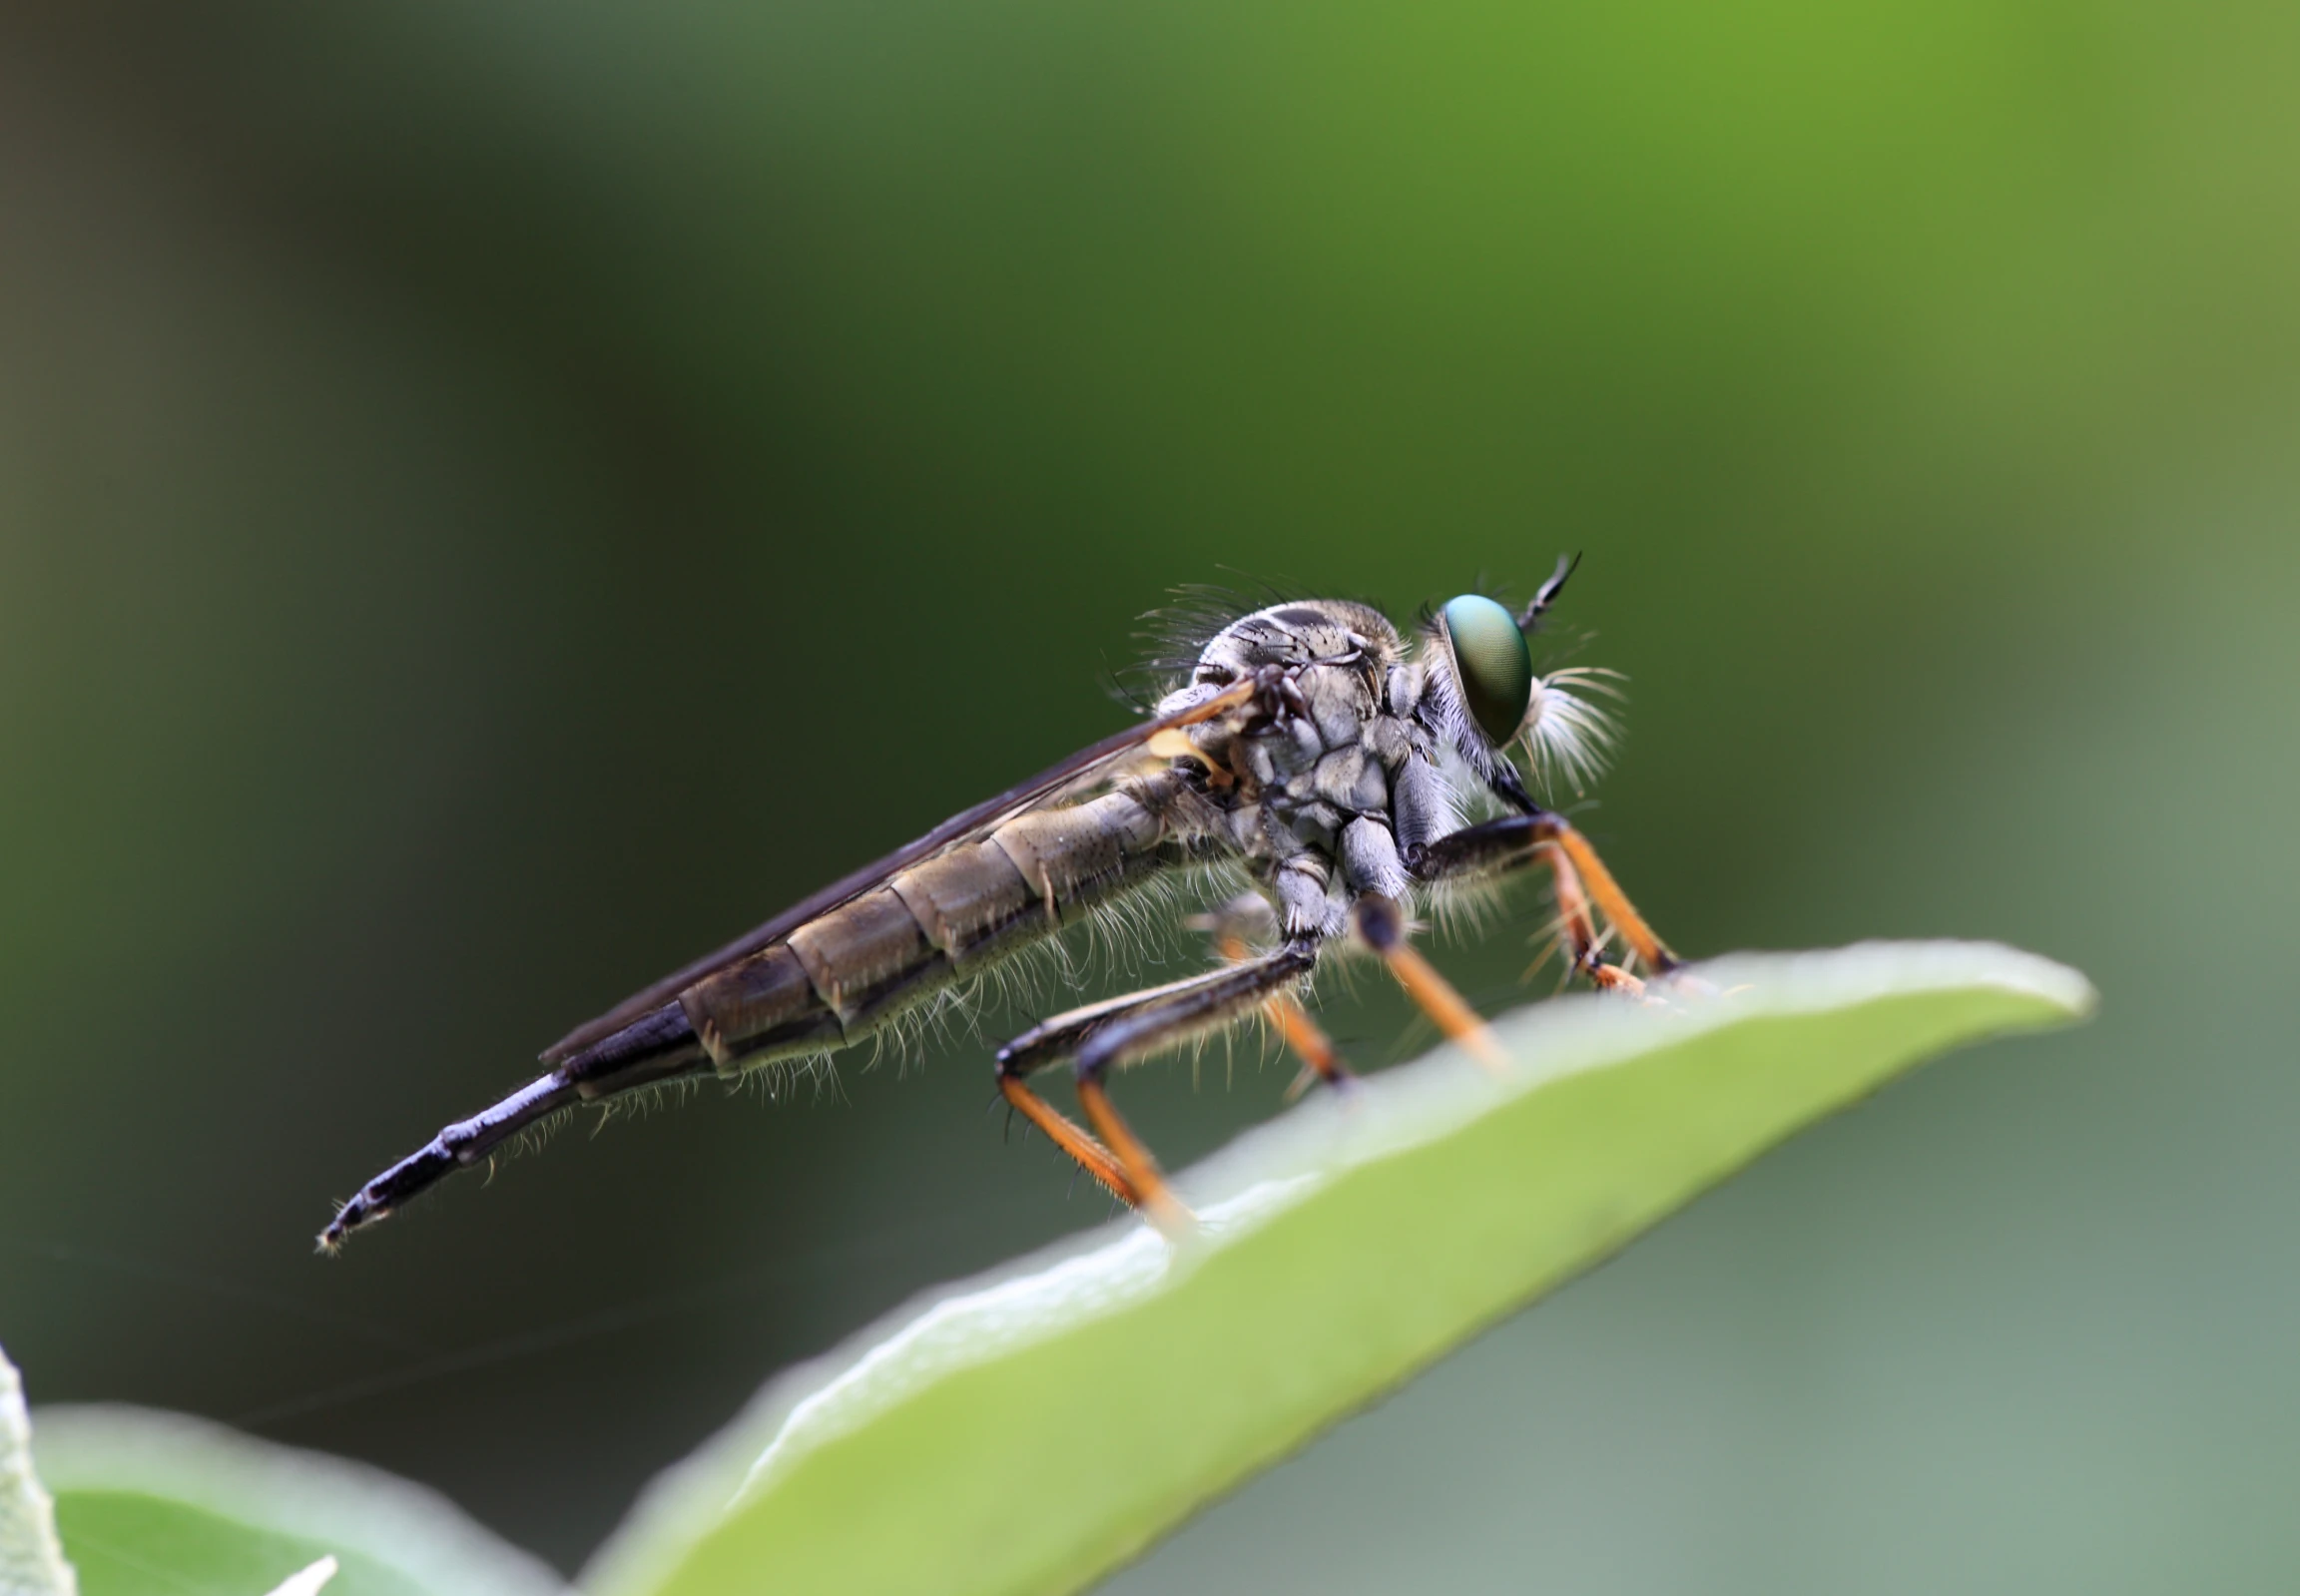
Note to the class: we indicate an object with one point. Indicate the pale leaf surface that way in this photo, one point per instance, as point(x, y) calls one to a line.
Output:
point(1032, 1429)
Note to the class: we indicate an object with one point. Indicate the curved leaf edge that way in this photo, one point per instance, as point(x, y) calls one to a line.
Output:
point(332, 1503)
point(1270, 1171)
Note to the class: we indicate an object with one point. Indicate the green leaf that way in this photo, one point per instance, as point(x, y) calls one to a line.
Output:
point(1030, 1430)
point(161, 1504)
point(309, 1581)
point(31, 1560)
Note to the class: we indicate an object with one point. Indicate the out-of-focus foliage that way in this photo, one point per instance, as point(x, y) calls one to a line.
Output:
point(31, 1558)
point(156, 1504)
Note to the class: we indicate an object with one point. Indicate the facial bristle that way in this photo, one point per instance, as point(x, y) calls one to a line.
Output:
point(1568, 738)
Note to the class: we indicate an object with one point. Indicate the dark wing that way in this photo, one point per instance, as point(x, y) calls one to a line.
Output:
point(1078, 770)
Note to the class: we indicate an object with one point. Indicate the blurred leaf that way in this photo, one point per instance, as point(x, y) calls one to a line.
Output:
point(1031, 1430)
point(31, 1561)
point(163, 1504)
point(309, 1581)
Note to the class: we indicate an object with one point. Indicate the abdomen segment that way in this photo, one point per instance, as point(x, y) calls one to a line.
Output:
point(838, 977)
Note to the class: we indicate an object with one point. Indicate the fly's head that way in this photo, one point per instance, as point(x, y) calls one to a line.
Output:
point(1330, 675)
point(1480, 694)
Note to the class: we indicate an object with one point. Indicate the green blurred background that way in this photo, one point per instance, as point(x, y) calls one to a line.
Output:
point(497, 498)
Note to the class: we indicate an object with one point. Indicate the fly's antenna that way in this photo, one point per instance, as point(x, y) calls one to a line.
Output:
point(1529, 618)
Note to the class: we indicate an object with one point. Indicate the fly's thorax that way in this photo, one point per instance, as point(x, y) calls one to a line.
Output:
point(1292, 635)
point(1306, 772)
point(1319, 735)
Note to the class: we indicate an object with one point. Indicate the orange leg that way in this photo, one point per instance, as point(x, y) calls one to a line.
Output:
point(1381, 925)
point(1092, 1156)
point(1300, 1033)
point(1102, 1036)
point(1582, 881)
point(1310, 1045)
point(1578, 931)
point(1610, 899)
point(1152, 1194)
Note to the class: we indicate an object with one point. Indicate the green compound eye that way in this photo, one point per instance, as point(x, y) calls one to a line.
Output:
point(1495, 665)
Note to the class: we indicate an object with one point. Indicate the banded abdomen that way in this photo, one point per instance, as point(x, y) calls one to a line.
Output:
point(835, 980)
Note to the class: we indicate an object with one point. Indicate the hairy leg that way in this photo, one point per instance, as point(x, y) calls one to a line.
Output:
point(1233, 928)
point(1101, 1036)
point(1517, 840)
point(1380, 924)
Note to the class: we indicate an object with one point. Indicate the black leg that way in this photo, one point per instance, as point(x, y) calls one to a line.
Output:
point(1100, 1036)
point(1517, 840)
point(1234, 927)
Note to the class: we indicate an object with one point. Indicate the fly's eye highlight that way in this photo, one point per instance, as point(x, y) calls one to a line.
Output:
point(1492, 663)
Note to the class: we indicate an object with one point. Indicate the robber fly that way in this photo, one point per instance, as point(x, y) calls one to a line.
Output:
point(1310, 744)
